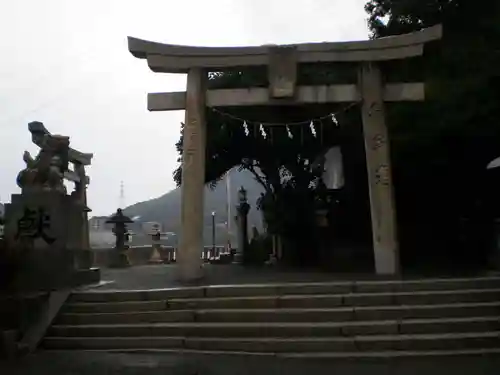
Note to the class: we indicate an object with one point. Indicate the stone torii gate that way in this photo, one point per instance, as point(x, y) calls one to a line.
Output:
point(282, 63)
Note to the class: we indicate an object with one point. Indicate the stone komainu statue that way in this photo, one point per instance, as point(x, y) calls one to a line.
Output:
point(46, 170)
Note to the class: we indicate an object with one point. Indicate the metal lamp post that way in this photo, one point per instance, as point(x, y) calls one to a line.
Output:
point(213, 235)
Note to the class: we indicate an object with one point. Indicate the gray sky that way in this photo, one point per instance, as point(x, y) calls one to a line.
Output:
point(66, 63)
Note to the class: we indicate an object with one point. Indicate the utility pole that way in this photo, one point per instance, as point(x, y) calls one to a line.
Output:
point(122, 195)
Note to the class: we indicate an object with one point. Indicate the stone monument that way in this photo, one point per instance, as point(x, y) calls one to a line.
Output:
point(120, 221)
point(44, 225)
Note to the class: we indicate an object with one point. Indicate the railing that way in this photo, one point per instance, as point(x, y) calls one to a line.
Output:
point(206, 254)
point(141, 254)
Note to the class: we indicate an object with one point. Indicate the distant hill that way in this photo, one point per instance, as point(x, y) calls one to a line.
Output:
point(166, 209)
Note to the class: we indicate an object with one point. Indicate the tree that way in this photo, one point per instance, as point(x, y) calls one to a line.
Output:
point(440, 150)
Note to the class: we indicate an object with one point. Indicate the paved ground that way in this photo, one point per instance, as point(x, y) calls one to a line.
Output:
point(164, 276)
point(95, 363)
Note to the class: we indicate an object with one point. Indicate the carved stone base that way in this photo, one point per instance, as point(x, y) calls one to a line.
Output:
point(322, 218)
point(41, 228)
point(86, 277)
point(120, 260)
point(155, 256)
point(84, 259)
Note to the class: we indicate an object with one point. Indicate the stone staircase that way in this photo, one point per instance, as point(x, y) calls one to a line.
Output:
point(341, 319)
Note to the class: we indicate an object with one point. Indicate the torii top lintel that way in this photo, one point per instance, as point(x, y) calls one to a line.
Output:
point(168, 58)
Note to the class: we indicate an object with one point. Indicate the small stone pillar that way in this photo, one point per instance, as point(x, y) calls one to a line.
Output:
point(81, 195)
point(79, 233)
point(242, 225)
point(120, 221)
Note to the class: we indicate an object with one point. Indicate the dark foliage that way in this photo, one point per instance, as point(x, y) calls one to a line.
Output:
point(440, 150)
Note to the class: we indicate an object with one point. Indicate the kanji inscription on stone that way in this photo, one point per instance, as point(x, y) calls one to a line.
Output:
point(191, 134)
point(35, 223)
point(377, 141)
point(374, 107)
point(382, 175)
point(282, 71)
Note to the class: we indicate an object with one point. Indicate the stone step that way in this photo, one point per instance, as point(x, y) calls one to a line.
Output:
point(352, 328)
point(289, 289)
point(114, 307)
point(453, 310)
point(131, 317)
point(293, 301)
point(484, 353)
point(281, 315)
point(419, 342)
point(394, 354)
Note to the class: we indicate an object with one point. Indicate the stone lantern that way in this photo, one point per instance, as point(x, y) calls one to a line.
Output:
point(243, 208)
point(120, 221)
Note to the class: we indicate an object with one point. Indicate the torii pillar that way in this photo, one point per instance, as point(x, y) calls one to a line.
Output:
point(193, 179)
point(378, 164)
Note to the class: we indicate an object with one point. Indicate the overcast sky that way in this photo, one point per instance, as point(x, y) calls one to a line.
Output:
point(66, 63)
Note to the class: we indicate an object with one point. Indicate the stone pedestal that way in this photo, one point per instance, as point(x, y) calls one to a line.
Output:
point(155, 254)
point(119, 259)
point(43, 227)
